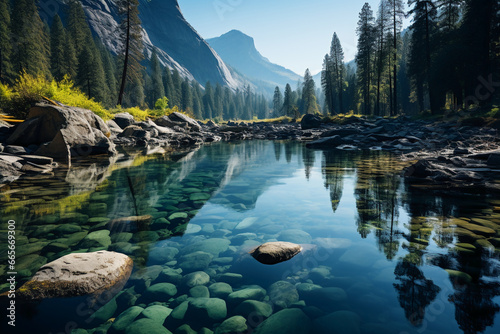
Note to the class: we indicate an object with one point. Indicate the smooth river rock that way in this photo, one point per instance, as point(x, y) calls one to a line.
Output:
point(275, 252)
point(78, 274)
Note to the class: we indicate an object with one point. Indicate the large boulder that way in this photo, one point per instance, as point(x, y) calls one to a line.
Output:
point(63, 132)
point(180, 120)
point(310, 121)
point(124, 119)
point(79, 274)
point(275, 252)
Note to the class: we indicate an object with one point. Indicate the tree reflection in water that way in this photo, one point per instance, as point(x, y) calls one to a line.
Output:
point(415, 292)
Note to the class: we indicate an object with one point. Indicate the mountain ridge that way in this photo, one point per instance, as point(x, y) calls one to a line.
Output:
point(184, 50)
point(238, 50)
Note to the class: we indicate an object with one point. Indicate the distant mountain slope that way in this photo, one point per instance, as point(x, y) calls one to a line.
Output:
point(238, 50)
point(164, 27)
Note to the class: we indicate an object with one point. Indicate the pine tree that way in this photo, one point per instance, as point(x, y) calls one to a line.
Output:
point(57, 44)
point(31, 42)
point(450, 11)
point(131, 35)
point(382, 27)
point(327, 84)
point(177, 82)
point(5, 42)
point(109, 66)
point(424, 15)
point(476, 34)
point(333, 75)
point(197, 100)
point(91, 74)
point(78, 27)
point(288, 101)
point(186, 96)
point(366, 40)
point(156, 79)
point(309, 102)
point(218, 101)
point(396, 14)
point(69, 57)
point(208, 101)
point(277, 102)
point(168, 84)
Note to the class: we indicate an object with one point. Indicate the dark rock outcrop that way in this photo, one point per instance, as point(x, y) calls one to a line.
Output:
point(63, 132)
point(310, 121)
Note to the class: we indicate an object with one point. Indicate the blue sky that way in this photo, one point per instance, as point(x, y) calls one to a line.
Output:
point(292, 33)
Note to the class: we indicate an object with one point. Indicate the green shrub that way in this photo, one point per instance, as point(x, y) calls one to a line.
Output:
point(29, 89)
point(162, 103)
point(6, 95)
point(66, 93)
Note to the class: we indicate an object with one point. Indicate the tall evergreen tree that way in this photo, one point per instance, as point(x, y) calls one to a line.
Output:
point(109, 66)
point(366, 40)
point(333, 75)
point(186, 96)
point(382, 27)
point(477, 38)
point(91, 74)
point(5, 42)
point(277, 102)
point(396, 14)
point(78, 27)
point(156, 77)
point(131, 35)
point(218, 102)
point(208, 101)
point(69, 57)
point(327, 84)
point(450, 11)
point(309, 103)
point(176, 84)
point(168, 84)
point(31, 42)
point(424, 14)
point(57, 45)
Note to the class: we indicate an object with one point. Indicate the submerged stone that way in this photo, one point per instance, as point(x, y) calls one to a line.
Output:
point(233, 325)
point(220, 290)
point(125, 319)
point(161, 292)
point(275, 252)
point(196, 278)
point(254, 308)
point(255, 293)
point(156, 313)
point(146, 326)
point(77, 275)
point(207, 310)
point(195, 261)
point(290, 321)
point(283, 294)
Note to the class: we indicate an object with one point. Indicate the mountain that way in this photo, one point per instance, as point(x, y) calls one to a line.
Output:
point(164, 27)
point(238, 50)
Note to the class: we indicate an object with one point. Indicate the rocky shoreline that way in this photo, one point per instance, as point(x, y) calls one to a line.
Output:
point(447, 153)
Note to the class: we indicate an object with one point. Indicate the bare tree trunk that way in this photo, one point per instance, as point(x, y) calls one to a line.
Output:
point(395, 59)
point(125, 61)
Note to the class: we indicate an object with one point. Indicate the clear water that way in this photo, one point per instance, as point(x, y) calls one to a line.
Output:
point(398, 259)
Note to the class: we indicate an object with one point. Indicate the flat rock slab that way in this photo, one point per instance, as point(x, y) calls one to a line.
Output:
point(275, 252)
point(78, 274)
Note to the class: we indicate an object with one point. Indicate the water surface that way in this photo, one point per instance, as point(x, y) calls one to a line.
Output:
point(396, 258)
